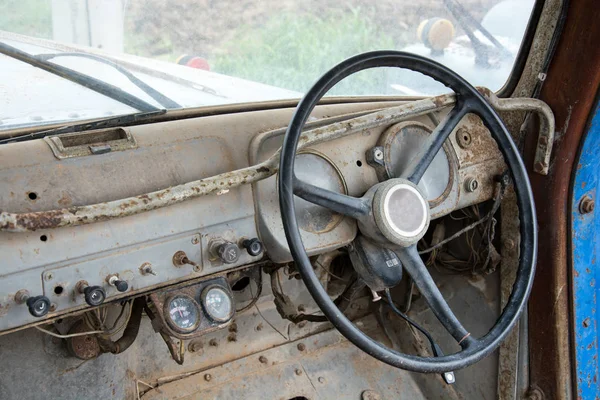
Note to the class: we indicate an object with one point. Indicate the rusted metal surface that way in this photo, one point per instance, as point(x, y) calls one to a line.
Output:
point(570, 90)
point(545, 141)
point(218, 184)
point(288, 372)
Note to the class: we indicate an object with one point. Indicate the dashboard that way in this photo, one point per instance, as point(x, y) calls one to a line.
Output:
point(205, 237)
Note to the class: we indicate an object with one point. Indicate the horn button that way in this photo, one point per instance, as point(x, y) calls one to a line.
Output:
point(401, 212)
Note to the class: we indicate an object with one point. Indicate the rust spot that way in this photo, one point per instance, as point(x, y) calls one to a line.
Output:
point(65, 200)
point(263, 169)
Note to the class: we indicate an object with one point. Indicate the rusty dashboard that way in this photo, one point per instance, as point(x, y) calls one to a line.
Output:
point(140, 247)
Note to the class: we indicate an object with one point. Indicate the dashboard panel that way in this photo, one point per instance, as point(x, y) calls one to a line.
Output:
point(193, 239)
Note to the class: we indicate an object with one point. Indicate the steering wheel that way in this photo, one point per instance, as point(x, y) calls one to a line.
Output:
point(395, 215)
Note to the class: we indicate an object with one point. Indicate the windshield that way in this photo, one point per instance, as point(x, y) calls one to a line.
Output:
point(167, 54)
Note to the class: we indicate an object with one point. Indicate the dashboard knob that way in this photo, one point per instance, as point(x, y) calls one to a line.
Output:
point(228, 252)
point(95, 295)
point(38, 306)
point(119, 284)
point(253, 246)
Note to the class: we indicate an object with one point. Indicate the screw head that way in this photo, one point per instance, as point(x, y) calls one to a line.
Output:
point(301, 346)
point(263, 359)
point(378, 154)
point(298, 371)
point(587, 205)
point(463, 138)
point(321, 379)
point(207, 377)
point(49, 276)
point(195, 239)
point(471, 184)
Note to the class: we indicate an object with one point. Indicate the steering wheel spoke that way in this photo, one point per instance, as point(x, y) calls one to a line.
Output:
point(414, 266)
point(346, 205)
point(434, 142)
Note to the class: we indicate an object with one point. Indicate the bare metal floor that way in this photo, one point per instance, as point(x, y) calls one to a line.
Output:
point(325, 366)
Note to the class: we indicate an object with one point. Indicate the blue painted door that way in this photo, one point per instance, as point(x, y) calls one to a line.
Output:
point(585, 245)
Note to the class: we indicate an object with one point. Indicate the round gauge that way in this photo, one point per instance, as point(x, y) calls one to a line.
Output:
point(402, 142)
point(182, 313)
point(317, 170)
point(217, 303)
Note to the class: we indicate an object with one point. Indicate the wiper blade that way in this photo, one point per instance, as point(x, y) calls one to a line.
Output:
point(74, 76)
point(109, 122)
point(149, 90)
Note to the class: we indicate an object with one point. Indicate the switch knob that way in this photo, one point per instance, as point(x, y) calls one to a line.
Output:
point(94, 295)
point(119, 284)
point(228, 252)
point(38, 306)
point(253, 246)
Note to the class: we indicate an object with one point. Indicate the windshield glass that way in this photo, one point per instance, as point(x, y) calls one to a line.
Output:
point(192, 53)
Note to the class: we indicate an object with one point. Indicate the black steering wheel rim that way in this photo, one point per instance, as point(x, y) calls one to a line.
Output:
point(472, 100)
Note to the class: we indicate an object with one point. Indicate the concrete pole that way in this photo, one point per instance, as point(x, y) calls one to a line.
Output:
point(93, 23)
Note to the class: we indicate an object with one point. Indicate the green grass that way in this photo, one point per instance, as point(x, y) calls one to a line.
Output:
point(292, 51)
point(27, 17)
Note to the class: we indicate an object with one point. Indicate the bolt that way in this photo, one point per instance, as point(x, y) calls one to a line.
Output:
point(301, 308)
point(232, 337)
point(259, 327)
point(233, 327)
point(213, 343)
point(52, 307)
point(298, 371)
point(49, 276)
point(207, 377)
point(471, 184)
point(378, 154)
point(586, 205)
point(263, 359)
point(538, 166)
point(370, 395)
point(195, 239)
point(321, 379)
point(301, 324)
point(301, 346)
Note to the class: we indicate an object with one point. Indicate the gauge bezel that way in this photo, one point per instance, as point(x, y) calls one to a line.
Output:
point(205, 308)
point(171, 323)
point(386, 140)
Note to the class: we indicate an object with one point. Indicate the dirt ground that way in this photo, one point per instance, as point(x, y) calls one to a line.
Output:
point(201, 26)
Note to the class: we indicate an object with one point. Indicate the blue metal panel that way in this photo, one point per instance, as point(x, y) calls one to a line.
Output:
point(585, 243)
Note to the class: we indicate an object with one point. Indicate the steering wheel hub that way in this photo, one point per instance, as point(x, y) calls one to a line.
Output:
point(401, 212)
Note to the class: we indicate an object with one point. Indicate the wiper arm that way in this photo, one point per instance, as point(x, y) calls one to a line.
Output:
point(149, 90)
point(467, 22)
point(74, 76)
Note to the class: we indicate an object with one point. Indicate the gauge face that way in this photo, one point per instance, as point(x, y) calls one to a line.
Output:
point(182, 313)
point(217, 303)
point(401, 143)
point(320, 172)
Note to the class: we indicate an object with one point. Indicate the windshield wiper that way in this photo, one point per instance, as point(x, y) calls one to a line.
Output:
point(74, 76)
point(149, 90)
point(470, 24)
